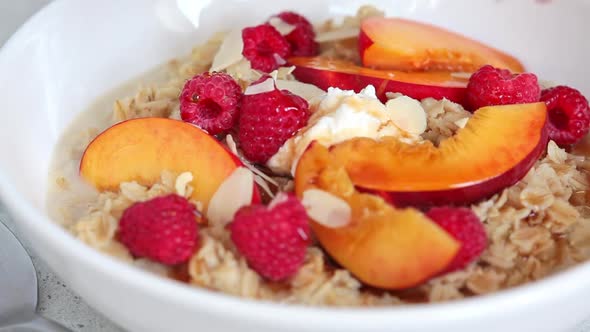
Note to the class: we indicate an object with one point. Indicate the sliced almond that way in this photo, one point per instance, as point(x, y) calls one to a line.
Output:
point(407, 114)
point(242, 71)
point(461, 123)
point(264, 185)
point(326, 209)
point(338, 34)
point(393, 95)
point(462, 75)
point(267, 85)
point(282, 72)
point(231, 143)
point(280, 198)
point(234, 193)
point(304, 90)
point(282, 27)
point(230, 51)
point(182, 182)
point(280, 61)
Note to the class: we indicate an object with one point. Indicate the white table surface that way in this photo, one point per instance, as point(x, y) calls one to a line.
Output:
point(56, 301)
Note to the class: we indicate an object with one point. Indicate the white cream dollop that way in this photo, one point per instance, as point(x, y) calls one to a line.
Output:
point(340, 115)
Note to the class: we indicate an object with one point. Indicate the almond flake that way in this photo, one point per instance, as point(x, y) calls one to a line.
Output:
point(393, 95)
point(280, 61)
point(231, 143)
point(281, 26)
point(230, 51)
point(280, 198)
point(182, 182)
point(339, 34)
point(407, 114)
point(234, 193)
point(261, 174)
point(304, 90)
point(267, 85)
point(461, 75)
point(242, 71)
point(326, 209)
point(461, 123)
point(282, 72)
point(264, 185)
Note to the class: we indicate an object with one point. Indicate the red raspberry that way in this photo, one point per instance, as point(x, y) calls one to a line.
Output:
point(465, 227)
point(569, 114)
point(302, 39)
point(490, 86)
point(211, 101)
point(268, 120)
point(273, 239)
point(265, 47)
point(163, 229)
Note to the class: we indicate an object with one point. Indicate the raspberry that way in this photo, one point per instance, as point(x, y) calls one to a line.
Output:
point(211, 101)
point(490, 86)
point(265, 47)
point(268, 120)
point(163, 229)
point(465, 227)
point(302, 39)
point(569, 114)
point(273, 239)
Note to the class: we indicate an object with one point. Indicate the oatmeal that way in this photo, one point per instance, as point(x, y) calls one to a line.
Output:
point(328, 165)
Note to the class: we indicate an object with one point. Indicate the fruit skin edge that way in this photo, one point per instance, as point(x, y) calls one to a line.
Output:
point(371, 244)
point(463, 196)
point(416, 91)
point(375, 54)
point(466, 193)
point(325, 79)
point(256, 195)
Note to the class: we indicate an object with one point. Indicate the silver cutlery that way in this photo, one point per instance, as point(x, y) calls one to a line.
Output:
point(18, 289)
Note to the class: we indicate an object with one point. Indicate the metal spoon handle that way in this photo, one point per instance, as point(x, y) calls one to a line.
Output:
point(37, 324)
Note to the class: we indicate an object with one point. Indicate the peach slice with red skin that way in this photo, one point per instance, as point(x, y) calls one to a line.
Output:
point(395, 43)
point(140, 149)
point(495, 150)
point(396, 248)
point(383, 246)
point(325, 73)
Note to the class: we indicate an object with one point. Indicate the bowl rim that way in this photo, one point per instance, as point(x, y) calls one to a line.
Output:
point(219, 303)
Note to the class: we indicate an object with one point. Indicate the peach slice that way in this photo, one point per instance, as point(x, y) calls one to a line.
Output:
point(383, 246)
point(140, 149)
point(495, 150)
point(325, 73)
point(395, 43)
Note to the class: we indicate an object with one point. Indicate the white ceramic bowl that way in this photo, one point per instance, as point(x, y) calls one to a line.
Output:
point(74, 51)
